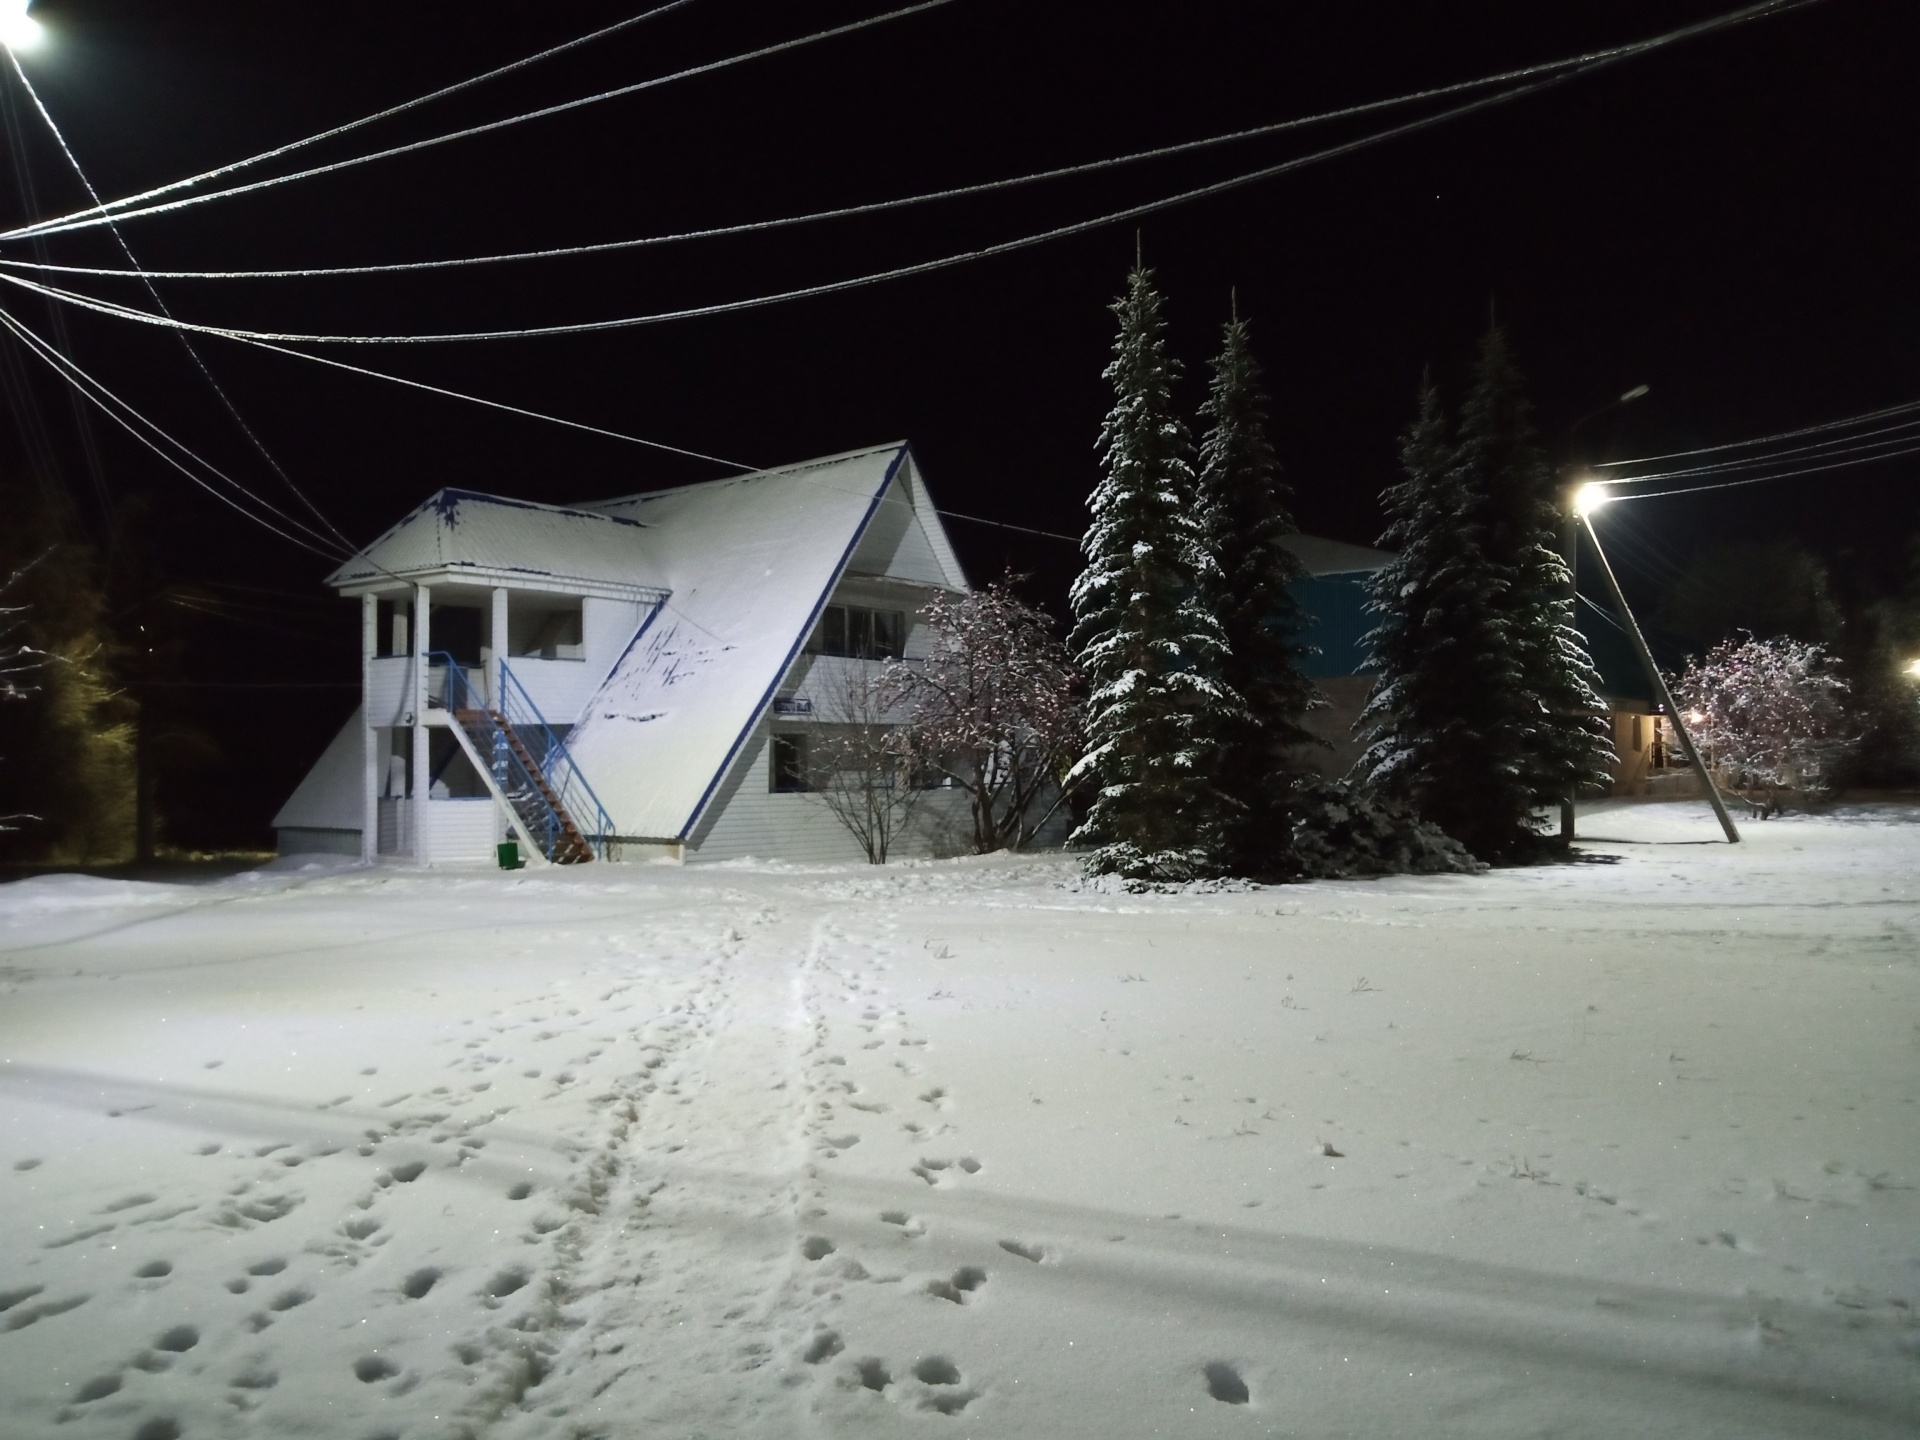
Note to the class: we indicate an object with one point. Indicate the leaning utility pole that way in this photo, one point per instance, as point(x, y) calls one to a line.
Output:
point(1584, 507)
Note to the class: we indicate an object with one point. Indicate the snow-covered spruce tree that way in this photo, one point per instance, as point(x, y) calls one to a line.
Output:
point(1143, 635)
point(1243, 507)
point(1561, 742)
point(1446, 733)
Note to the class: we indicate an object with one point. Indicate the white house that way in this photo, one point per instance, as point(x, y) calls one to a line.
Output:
point(625, 679)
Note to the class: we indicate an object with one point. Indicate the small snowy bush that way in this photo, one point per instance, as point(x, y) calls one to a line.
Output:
point(1771, 714)
point(1346, 829)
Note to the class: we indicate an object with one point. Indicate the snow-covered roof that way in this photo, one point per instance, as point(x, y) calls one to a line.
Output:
point(749, 563)
point(1321, 556)
point(511, 542)
point(330, 796)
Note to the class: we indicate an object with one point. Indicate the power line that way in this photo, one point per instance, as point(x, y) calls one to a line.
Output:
point(93, 390)
point(206, 373)
point(500, 405)
point(1838, 445)
point(1763, 479)
point(63, 225)
point(1000, 525)
point(852, 211)
point(386, 114)
point(1905, 408)
point(24, 405)
point(1767, 8)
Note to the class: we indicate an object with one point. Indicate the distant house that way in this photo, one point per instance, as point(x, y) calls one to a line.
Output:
point(625, 679)
point(1334, 596)
point(1647, 757)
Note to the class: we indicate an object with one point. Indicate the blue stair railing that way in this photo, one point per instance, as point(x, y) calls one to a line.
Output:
point(529, 763)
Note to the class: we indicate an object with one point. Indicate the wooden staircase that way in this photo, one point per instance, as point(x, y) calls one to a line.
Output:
point(570, 846)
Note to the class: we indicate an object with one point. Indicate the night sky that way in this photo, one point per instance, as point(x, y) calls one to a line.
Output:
point(1731, 221)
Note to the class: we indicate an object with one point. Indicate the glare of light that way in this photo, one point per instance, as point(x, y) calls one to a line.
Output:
point(1694, 717)
point(1590, 497)
point(19, 30)
point(1913, 668)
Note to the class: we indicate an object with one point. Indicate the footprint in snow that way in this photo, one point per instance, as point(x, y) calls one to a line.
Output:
point(1224, 1383)
point(935, 1172)
point(966, 1280)
point(939, 1373)
point(824, 1345)
point(97, 1388)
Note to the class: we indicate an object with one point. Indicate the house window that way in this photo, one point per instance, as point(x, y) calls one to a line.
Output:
point(545, 629)
point(860, 633)
point(789, 775)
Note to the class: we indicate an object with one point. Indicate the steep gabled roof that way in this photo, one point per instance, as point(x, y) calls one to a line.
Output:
point(515, 541)
point(1321, 556)
point(750, 561)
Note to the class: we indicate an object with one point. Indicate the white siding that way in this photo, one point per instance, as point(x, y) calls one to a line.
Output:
point(390, 690)
point(746, 819)
point(560, 689)
point(606, 626)
point(463, 832)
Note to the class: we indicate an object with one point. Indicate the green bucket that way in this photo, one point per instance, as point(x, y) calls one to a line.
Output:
point(509, 853)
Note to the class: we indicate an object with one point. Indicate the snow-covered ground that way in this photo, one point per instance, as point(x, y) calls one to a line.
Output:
point(969, 1148)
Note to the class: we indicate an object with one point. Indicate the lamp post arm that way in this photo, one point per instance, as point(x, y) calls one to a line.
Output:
point(1660, 687)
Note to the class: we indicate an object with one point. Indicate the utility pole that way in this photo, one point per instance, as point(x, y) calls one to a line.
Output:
point(1590, 497)
point(1570, 516)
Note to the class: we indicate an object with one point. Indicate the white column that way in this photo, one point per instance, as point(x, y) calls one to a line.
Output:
point(422, 638)
point(496, 685)
point(370, 737)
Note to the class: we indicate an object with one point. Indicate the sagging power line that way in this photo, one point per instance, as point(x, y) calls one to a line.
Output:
point(1129, 213)
point(88, 220)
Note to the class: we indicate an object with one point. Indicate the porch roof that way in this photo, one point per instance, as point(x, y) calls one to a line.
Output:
point(462, 535)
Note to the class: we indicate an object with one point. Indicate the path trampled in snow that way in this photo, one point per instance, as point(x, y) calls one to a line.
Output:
point(973, 1148)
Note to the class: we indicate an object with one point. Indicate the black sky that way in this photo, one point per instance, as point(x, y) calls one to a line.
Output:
point(1731, 221)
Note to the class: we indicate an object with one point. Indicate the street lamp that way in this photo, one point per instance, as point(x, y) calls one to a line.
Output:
point(1590, 497)
point(19, 30)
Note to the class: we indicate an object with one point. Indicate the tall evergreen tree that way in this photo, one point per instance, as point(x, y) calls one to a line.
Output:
point(1143, 634)
point(1445, 732)
point(1244, 511)
point(1511, 490)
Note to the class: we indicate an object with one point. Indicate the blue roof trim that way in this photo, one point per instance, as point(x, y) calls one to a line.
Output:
point(813, 618)
point(446, 500)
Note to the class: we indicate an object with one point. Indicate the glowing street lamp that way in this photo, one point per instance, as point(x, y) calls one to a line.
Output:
point(19, 30)
point(1590, 497)
point(1913, 668)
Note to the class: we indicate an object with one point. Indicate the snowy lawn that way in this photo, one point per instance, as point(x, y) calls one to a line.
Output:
point(966, 1148)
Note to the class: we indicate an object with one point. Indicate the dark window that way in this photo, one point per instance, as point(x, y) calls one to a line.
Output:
point(456, 631)
point(789, 765)
point(390, 628)
point(860, 633)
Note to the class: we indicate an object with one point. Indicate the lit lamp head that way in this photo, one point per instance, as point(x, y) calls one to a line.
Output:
point(1590, 497)
point(1913, 669)
point(19, 30)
